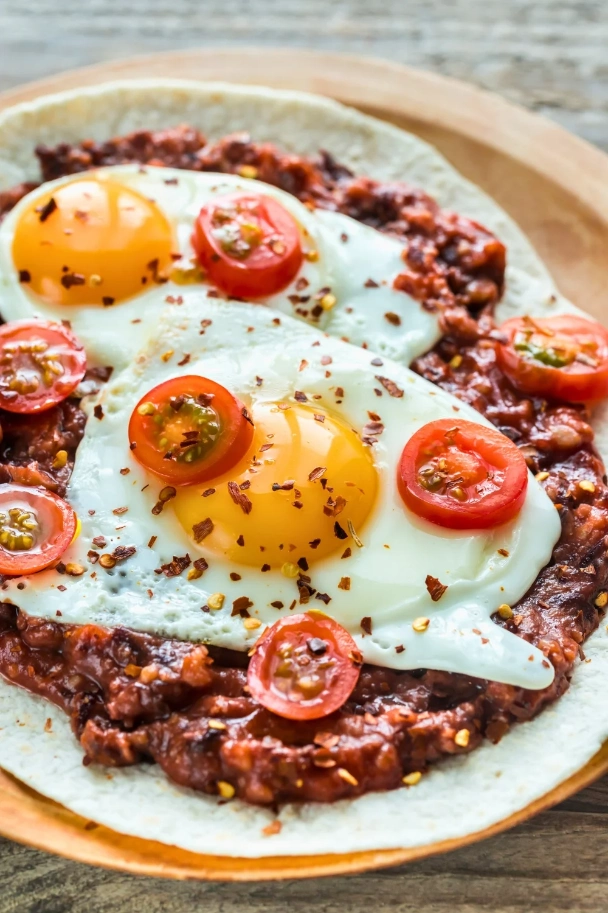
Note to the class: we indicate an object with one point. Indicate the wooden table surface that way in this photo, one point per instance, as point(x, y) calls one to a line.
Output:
point(550, 55)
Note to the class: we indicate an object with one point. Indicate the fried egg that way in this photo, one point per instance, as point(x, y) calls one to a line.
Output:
point(105, 250)
point(322, 410)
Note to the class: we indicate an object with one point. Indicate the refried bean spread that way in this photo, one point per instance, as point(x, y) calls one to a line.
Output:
point(135, 698)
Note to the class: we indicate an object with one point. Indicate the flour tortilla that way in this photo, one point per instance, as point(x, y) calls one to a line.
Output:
point(457, 797)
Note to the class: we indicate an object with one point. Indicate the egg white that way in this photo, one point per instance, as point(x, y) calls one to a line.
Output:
point(349, 254)
point(387, 583)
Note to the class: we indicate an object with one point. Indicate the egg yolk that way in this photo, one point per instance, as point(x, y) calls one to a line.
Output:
point(291, 497)
point(92, 241)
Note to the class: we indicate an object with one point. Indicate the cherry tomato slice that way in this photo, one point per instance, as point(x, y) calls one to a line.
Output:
point(189, 429)
point(563, 357)
point(36, 527)
point(462, 475)
point(41, 363)
point(248, 244)
point(304, 667)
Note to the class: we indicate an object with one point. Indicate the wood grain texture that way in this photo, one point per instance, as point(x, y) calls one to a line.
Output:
point(553, 864)
point(549, 55)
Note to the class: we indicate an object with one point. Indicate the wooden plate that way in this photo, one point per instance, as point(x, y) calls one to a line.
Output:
point(553, 184)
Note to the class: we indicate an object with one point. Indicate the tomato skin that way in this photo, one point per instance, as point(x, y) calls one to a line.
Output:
point(576, 382)
point(58, 522)
point(266, 267)
point(65, 351)
point(296, 631)
point(233, 441)
point(476, 449)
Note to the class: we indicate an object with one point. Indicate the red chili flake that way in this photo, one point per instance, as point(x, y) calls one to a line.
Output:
point(200, 565)
point(339, 533)
point(325, 598)
point(301, 284)
point(151, 541)
point(377, 362)
point(175, 567)
point(371, 432)
point(366, 624)
point(504, 552)
point(276, 321)
point(99, 541)
point(374, 416)
point(93, 556)
point(390, 386)
point(265, 567)
point(205, 323)
point(277, 604)
point(132, 446)
point(347, 553)
point(241, 605)
point(297, 504)
point(184, 360)
point(283, 486)
point(60, 568)
point(393, 318)
point(326, 360)
point(435, 588)
point(300, 397)
point(208, 491)
point(400, 649)
point(122, 552)
point(125, 471)
point(70, 279)
point(98, 413)
point(302, 564)
point(25, 275)
point(239, 497)
point(305, 590)
point(371, 283)
point(120, 510)
point(323, 292)
point(339, 392)
point(314, 543)
point(259, 381)
point(246, 416)
point(47, 210)
point(377, 392)
point(62, 588)
point(316, 473)
point(344, 583)
point(107, 301)
point(241, 540)
point(303, 364)
point(318, 417)
point(201, 530)
point(265, 447)
point(334, 507)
